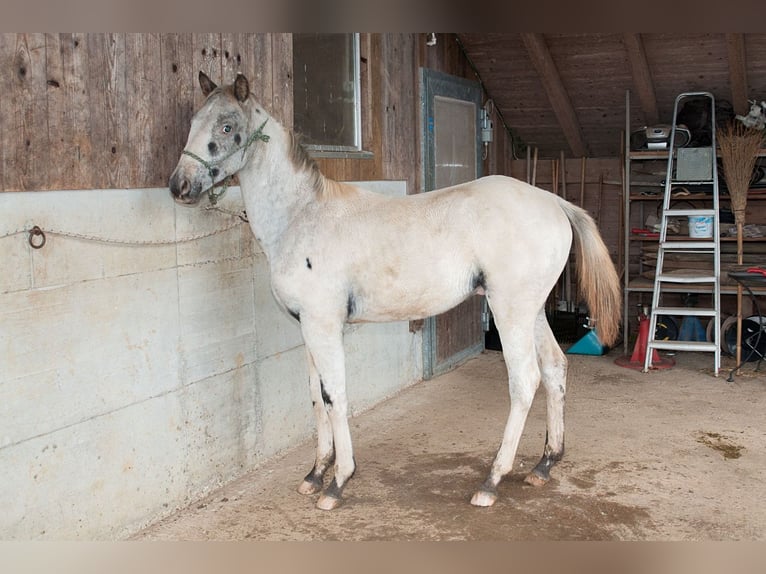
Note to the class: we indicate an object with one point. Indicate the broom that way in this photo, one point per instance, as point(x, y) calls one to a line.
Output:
point(739, 146)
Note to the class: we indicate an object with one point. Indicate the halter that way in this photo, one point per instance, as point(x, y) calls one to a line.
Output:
point(214, 197)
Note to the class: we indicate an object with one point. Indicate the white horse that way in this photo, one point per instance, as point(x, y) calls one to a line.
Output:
point(341, 254)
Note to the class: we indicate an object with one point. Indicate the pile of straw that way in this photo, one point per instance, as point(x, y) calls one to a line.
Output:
point(739, 146)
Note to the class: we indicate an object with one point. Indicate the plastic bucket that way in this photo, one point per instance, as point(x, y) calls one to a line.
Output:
point(700, 226)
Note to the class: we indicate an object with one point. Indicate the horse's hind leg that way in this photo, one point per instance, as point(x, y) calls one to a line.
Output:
point(325, 455)
point(516, 328)
point(553, 369)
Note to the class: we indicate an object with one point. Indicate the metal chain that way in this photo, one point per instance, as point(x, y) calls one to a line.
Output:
point(36, 229)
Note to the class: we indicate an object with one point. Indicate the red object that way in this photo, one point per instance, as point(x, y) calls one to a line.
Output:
point(759, 270)
point(636, 360)
point(644, 232)
point(639, 351)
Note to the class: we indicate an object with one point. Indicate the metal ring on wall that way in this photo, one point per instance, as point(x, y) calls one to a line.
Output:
point(36, 232)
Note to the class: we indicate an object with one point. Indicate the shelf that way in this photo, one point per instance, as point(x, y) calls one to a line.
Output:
point(663, 154)
point(754, 194)
point(644, 285)
point(726, 239)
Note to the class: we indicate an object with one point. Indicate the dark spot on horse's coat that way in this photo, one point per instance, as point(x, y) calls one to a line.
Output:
point(212, 147)
point(295, 315)
point(114, 149)
point(239, 59)
point(479, 280)
point(174, 67)
point(204, 51)
point(308, 262)
point(325, 397)
point(350, 306)
point(226, 54)
point(237, 139)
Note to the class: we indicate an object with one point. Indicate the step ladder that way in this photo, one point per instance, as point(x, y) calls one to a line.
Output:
point(699, 174)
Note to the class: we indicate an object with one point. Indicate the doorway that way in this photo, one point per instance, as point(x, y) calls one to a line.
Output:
point(451, 155)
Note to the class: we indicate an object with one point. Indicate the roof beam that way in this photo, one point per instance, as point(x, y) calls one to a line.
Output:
point(642, 76)
point(557, 94)
point(735, 47)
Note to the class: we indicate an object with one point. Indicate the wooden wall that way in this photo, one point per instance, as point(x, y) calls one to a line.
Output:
point(112, 110)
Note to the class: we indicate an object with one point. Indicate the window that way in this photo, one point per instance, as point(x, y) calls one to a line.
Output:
point(326, 92)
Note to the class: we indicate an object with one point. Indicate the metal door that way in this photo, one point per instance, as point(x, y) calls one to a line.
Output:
point(451, 155)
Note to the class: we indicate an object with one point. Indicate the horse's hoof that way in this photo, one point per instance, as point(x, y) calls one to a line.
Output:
point(328, 502)
point(484, 498)
point(534, 479)
point(309, 487)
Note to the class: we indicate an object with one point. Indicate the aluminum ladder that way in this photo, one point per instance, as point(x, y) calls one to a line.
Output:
point(712, 246)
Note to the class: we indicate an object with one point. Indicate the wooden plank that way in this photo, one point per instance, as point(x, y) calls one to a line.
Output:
point(735, 50)
point(206, 58)
point(71, 138)
point(116, 166)
point(179, 82)
point(6, 110)
point(94, 85)
point(557, 94)
point(25, 119)
point(642, 76)
point(282, 78)
point(144, 126)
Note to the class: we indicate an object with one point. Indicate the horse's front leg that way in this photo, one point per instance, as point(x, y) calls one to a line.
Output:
point(325, 455)
point(324, 342)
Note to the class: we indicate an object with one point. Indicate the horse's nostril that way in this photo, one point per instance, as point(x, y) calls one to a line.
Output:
point(185, 187)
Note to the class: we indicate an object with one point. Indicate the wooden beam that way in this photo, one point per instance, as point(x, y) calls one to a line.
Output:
point(557, 94)
point(735, 47)
point(642, 76)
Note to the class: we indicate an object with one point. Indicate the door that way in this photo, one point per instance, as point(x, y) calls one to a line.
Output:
point(451, 155)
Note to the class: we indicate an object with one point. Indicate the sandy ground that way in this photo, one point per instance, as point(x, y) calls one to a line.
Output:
point(669, 455)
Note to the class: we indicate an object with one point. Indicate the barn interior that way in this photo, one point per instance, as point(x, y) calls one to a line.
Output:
point(152, 389)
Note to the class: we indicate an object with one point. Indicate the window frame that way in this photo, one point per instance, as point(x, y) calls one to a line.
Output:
point(356, 149)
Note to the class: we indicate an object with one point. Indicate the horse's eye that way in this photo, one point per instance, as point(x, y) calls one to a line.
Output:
point(226, 129)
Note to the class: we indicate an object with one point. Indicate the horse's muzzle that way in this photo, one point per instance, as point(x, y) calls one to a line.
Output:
point(182, 190)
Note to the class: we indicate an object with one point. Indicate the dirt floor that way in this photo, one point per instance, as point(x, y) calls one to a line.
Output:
point(669, 455)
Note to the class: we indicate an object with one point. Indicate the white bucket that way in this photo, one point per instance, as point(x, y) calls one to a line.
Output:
point(700, 226)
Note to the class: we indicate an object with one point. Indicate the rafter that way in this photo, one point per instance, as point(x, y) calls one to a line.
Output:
point(642, 77)
point(557, 93)
point(735, 47)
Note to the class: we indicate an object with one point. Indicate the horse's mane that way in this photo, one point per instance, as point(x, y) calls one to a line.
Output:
point(324, 187)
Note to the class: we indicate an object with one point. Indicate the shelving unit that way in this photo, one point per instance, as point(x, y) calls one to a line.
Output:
point(637, 197)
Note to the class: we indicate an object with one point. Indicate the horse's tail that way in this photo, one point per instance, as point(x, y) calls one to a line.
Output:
point(598, 280)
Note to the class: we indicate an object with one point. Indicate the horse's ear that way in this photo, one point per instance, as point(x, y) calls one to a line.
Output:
point(241, 88)
point(206, 84)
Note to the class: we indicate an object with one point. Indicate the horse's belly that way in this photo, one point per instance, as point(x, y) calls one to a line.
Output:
point(416, 301)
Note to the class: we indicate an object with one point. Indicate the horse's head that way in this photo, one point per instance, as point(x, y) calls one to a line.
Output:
point(219, 138)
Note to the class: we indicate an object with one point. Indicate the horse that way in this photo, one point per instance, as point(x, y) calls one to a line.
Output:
point(340, 254)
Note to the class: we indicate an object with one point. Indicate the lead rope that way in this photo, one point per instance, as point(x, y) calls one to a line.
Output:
point(224, 185)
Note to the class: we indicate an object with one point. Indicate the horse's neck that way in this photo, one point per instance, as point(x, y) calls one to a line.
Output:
point(273, 189)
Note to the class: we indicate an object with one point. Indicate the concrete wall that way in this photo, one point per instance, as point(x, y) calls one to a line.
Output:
point(135, 378)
